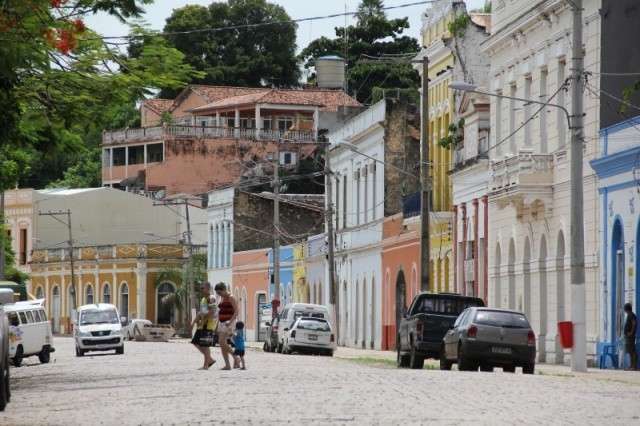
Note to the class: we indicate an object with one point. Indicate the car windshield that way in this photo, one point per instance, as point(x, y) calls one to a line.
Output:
point(443, 305)
point(314, 325)
point(95, 316)
point(501, 319)
point(303, 314)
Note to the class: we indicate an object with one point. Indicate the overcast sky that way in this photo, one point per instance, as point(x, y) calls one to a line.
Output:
point(157, 13)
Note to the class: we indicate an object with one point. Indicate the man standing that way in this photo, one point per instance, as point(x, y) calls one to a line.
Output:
point(630, 329)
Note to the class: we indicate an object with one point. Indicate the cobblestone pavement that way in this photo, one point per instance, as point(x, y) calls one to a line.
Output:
point(158, 383)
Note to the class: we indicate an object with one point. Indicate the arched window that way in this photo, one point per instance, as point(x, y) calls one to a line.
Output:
point(88, 296)
point(39, 293)
point(124, 300)
point(106, 293)
point(165, 307)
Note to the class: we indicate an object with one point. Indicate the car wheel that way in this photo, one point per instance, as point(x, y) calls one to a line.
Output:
point(486, 368)
point(464, 364)
point(120, 350)
point(4, 385)
point(511, 369)
point(79, 352)
point(402, 360)
point(445, 364)
point(45, 355)
point(416, 361)
point(529, 368)
point(17, 358)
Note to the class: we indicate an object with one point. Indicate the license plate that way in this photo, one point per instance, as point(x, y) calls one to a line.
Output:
point(498, 350)
point(313, 337)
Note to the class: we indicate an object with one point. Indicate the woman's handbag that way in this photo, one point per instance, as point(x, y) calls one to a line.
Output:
point(207, 338)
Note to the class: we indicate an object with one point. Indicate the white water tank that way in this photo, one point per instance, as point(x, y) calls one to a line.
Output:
point(330, 72)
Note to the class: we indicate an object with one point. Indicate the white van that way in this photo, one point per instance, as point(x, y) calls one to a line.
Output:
point(292, 312)
point(29, 332)
point(98, 327)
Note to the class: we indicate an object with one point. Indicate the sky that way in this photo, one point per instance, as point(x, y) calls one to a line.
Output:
point(157, 13)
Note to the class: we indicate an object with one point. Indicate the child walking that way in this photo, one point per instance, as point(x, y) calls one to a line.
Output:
point(238, 343)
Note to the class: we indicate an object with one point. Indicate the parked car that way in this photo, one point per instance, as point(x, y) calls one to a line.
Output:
point(6, 297)
point(98, 328)
point(29, 332)
point(488, 338)
point(424, 325)
point(143, 330)
point(310, 335)
point(134, 326)
point(292, 312)
point(271, 342)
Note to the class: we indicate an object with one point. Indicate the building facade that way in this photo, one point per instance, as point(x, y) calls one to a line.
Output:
point(126, 275)
point(618, 169)
point(529, 169)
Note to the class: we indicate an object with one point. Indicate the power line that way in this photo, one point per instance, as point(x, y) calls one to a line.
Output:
point(256, 25)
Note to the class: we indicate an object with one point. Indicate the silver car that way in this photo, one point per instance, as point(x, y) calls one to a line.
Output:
point(6, 297)
point(488, 338)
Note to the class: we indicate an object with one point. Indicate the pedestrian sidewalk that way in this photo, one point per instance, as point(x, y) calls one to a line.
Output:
point(388, 358)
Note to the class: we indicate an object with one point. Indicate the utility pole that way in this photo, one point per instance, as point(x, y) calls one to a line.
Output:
point(55, 214)
point(2, 222)
point(425, 181)
point(276, 232)
point(333, 289)
point(578, 292)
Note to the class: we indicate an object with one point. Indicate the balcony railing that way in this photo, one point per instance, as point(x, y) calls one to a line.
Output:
point(205, 132)
point(524, 169)
point(411, 205)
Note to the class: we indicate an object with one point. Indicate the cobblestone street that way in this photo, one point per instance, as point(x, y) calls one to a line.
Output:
point(155, 383)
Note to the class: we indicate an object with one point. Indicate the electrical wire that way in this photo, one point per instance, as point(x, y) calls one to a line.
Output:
point(256, 25)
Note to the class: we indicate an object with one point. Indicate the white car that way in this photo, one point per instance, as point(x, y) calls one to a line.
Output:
point(292, 312)
point(312, 335)
point(29, 331)
point(135, 327)
point(98, 328)
point(6, 297)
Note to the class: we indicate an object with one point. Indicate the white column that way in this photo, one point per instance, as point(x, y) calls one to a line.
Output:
point(258, 120)
point(237, 124)
point(226, 245)
point(210, 247)
point(216, 246)
point(316, 119)
point(218, 124)
point(220, 232)
point(145, 155)
point(126, 161)
point(141, 290)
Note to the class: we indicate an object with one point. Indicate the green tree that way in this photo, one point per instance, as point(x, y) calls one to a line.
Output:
point(62, 85)
point(373, 35)
point(255, 56)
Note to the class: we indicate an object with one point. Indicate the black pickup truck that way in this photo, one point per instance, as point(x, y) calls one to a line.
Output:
point(423, 327)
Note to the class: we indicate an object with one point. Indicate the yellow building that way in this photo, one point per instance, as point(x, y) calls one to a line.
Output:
point(300, 285)
point(124, 275)
point(435, 33)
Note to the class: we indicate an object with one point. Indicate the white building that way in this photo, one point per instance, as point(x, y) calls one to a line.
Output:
point(367, 186)
point(316, 270)
point(529, 200)
point(220, 240)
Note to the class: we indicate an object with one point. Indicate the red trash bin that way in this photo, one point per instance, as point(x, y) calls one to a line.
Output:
point(565, 329)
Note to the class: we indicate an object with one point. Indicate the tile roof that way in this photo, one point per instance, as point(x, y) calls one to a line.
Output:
point(158, 105)
point(328, 100)
point(215, 93)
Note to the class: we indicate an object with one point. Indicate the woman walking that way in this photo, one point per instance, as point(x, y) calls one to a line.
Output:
point(203, 338)
point(227, 314)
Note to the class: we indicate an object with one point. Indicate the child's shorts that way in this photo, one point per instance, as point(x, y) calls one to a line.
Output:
point(238, 352)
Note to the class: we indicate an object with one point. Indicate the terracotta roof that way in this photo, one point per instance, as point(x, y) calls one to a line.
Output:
point(215, 93)
point(482, 20)
point(328, 100)
point(158, 105)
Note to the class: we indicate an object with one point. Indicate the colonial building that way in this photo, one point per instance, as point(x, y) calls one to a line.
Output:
point(529, 188)
point(368, 155)
point(211, 134)
point(126, 275)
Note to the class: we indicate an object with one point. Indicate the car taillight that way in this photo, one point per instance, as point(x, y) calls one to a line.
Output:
point(293, 334)
point(531, 338)
point(333, 338)
point(472, 332)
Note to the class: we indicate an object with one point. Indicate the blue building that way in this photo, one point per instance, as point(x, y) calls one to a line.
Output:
point(618, 170)
point(286, 275)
